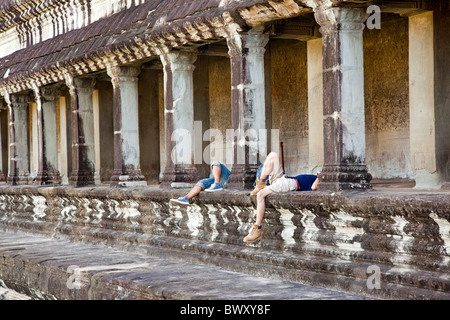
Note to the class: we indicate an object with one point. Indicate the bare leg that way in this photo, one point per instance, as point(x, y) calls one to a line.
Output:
point(194, 191)
point(261, 204)
point(216, 171)
point(271, 162)
point(314, 185)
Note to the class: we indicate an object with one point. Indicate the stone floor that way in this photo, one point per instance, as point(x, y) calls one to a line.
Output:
point(103, 273)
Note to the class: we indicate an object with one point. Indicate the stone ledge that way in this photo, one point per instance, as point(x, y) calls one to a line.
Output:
point(316, 238)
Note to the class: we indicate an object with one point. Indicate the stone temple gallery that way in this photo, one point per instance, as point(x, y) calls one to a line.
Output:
point(110, 108)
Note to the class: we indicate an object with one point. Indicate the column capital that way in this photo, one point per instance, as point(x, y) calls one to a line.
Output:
point(79, 83)
point(122, 73)
point(84, 84)
point(49, 94)
point(19, 99)
point(180, 60)
point(332, 19)
point(252, 41)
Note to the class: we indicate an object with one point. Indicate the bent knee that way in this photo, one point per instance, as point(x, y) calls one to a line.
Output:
point(261, 195)
point(272, 154)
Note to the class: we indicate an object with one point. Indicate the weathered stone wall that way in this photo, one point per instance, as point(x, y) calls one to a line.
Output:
point(387, 98)
point(312, 237)
point(149, 129)
point(220, 101)
point(162, 146)
point(290, 101)
point(106, 132)
point(442, 84)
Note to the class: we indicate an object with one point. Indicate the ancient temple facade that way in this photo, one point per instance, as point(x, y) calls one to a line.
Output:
point(106, 91)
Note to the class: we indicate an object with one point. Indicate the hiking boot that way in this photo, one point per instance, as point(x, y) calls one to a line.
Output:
point(254, 234)
point(260, 184)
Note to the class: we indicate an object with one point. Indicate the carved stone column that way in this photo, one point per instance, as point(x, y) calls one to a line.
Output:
point(343, 99)
point(424, 113)
point(47, 139)
point(83, 153)
point(180, 169)
point(127, 170)
point(246, 51)
point(19, 154)
point(3, 126)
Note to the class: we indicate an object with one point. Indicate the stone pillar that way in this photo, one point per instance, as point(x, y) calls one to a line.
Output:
point(149, 129)
point(343, 98)
point(246, 51)
point(422, 101)
point(180, 170)
point(315, 104)
point(3, 137)
point(97, 135)
point(83, 150)
point(64, 152)
point(19, 162)
point(127, 170)
point(201, 116)
point(47, 139)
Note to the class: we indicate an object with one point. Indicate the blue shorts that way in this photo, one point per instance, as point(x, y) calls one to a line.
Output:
point(304, 181)
point(224, 175)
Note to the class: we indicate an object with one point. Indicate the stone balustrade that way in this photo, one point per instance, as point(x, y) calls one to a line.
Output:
point(332, 239)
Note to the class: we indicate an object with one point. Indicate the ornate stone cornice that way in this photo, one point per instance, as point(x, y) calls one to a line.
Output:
point(16, 12)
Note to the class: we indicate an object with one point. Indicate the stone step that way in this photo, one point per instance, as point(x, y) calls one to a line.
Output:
point(46, 268)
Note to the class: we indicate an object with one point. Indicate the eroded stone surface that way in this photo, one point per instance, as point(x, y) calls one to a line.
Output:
point(310, 237)
point(57, 269)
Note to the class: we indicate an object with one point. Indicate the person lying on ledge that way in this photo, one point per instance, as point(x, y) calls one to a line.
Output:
point(279, 182)
point(218, 180)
